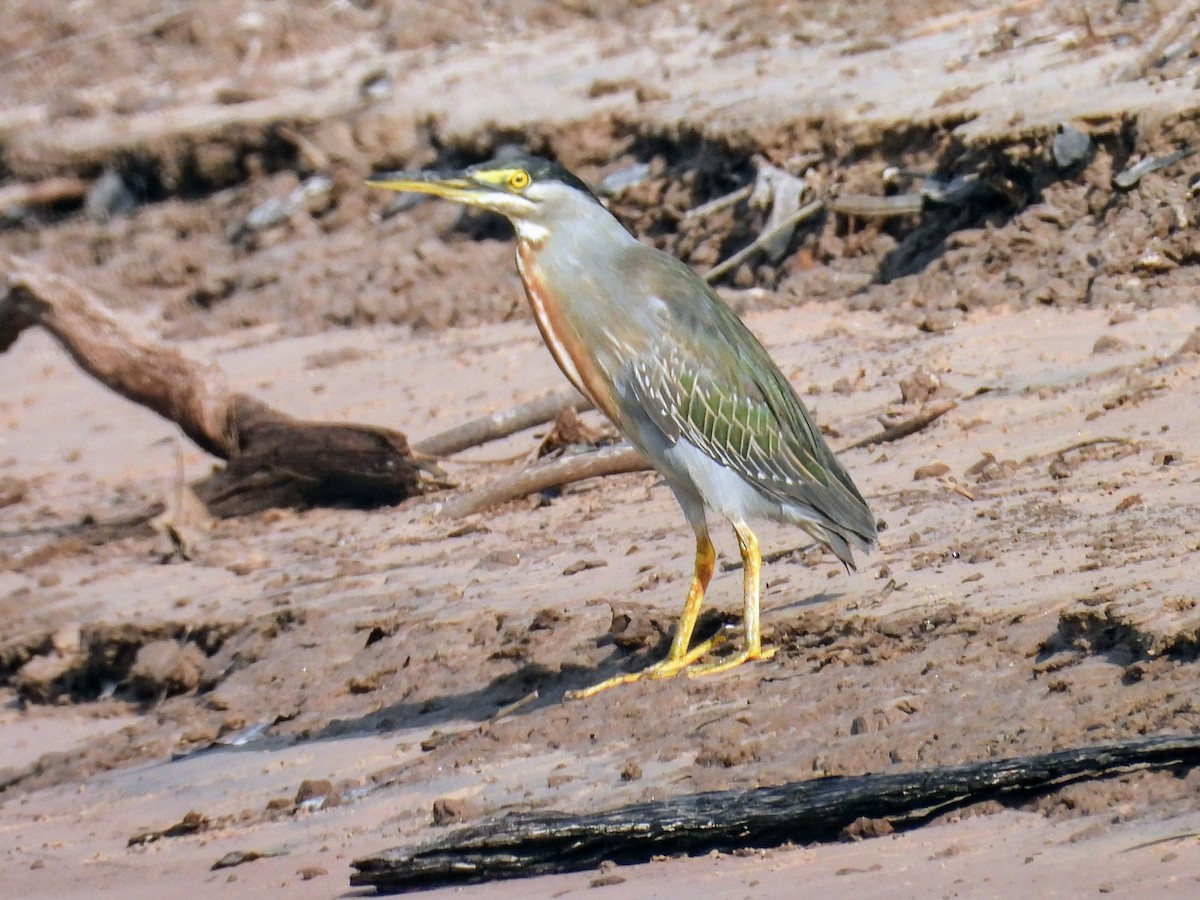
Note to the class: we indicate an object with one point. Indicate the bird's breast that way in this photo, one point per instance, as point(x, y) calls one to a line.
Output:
point(565, 342)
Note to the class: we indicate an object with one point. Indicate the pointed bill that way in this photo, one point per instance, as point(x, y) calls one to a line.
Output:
point(448, 185)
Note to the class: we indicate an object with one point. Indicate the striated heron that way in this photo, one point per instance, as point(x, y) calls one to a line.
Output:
point(653, 346)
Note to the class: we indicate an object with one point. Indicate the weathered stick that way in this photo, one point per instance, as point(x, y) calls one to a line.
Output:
point(520, 846)
point(1171, 27)
point(273, 458)
point(547, 474)
point(501, 424)
point(921, 420)
point(867, 206)
point(805, 212)
point(42, 193)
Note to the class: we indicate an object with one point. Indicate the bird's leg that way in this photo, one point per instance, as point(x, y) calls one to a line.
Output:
point(706, 561)
point(752, 568)
point(679, 656)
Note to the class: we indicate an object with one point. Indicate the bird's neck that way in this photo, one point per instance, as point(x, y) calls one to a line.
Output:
point(569, 273)
point(557, 330)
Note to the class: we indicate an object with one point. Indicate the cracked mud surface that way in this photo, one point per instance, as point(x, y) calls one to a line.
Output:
point(1035, 588)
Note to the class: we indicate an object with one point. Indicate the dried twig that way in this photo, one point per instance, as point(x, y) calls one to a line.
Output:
point(927, 415)
point(501, 424)
point(805, 212)
point(868, 206)
point(774, 556)
point(42, 193)
point(1170, 29)
point(505, 711)
point(548, 474)
point(720, 203)
point(441, 739)
point(1129, 178)
point(1092, 442)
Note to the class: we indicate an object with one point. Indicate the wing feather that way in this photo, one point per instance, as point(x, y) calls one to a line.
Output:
point(705, 378)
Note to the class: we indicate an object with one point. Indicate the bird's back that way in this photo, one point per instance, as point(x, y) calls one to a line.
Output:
point(672, 363)
point(702, 377)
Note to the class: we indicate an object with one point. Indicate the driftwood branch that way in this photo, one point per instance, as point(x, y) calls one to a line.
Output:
point(520, 846)
point(273, 458)
point(502, 424)
point(548, 474)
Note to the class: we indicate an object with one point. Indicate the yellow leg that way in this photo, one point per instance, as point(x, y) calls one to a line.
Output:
point(752, 573)
point(679, 656)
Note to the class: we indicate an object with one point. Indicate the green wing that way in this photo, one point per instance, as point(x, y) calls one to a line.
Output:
point(708, 380)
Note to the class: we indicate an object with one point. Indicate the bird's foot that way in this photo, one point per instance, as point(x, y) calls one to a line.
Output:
point(734, 661)
point(667, 668)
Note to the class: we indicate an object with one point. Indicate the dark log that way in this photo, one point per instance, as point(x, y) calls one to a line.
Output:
point(274, 459)
point(526, 845)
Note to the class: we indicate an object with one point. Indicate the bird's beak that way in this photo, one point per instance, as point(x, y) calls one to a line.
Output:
point(448, 185)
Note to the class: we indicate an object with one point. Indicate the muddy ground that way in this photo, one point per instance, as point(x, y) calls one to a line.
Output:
point(1036, 585)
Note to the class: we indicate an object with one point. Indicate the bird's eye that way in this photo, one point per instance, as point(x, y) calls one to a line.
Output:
point(518, 180)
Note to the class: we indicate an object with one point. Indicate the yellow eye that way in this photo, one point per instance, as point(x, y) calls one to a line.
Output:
point(518, 180)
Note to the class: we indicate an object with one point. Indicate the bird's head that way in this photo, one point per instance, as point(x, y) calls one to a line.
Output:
point(534, 193)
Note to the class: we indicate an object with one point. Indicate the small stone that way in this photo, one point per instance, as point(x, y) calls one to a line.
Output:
point(318, 793)
point(108, 197)
point(1071, 148)
point(1107, 343)
point(631, 771)
point(941, 320)
point(498, 559)
point(166, 667)
point(364, 684)
point(864, 827)
point(583, 565)
point(546, 619)
point(43, 678)
point(932, 470)
point(923, 384)
point(308, 873)
point(1190, 347)
point(453, 810)
point(606, 880)
point(68, 640)
point(12, 490)
point(1130, 502)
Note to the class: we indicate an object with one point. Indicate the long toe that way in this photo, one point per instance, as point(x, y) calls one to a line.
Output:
point(667, 668)
point(762, 653)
